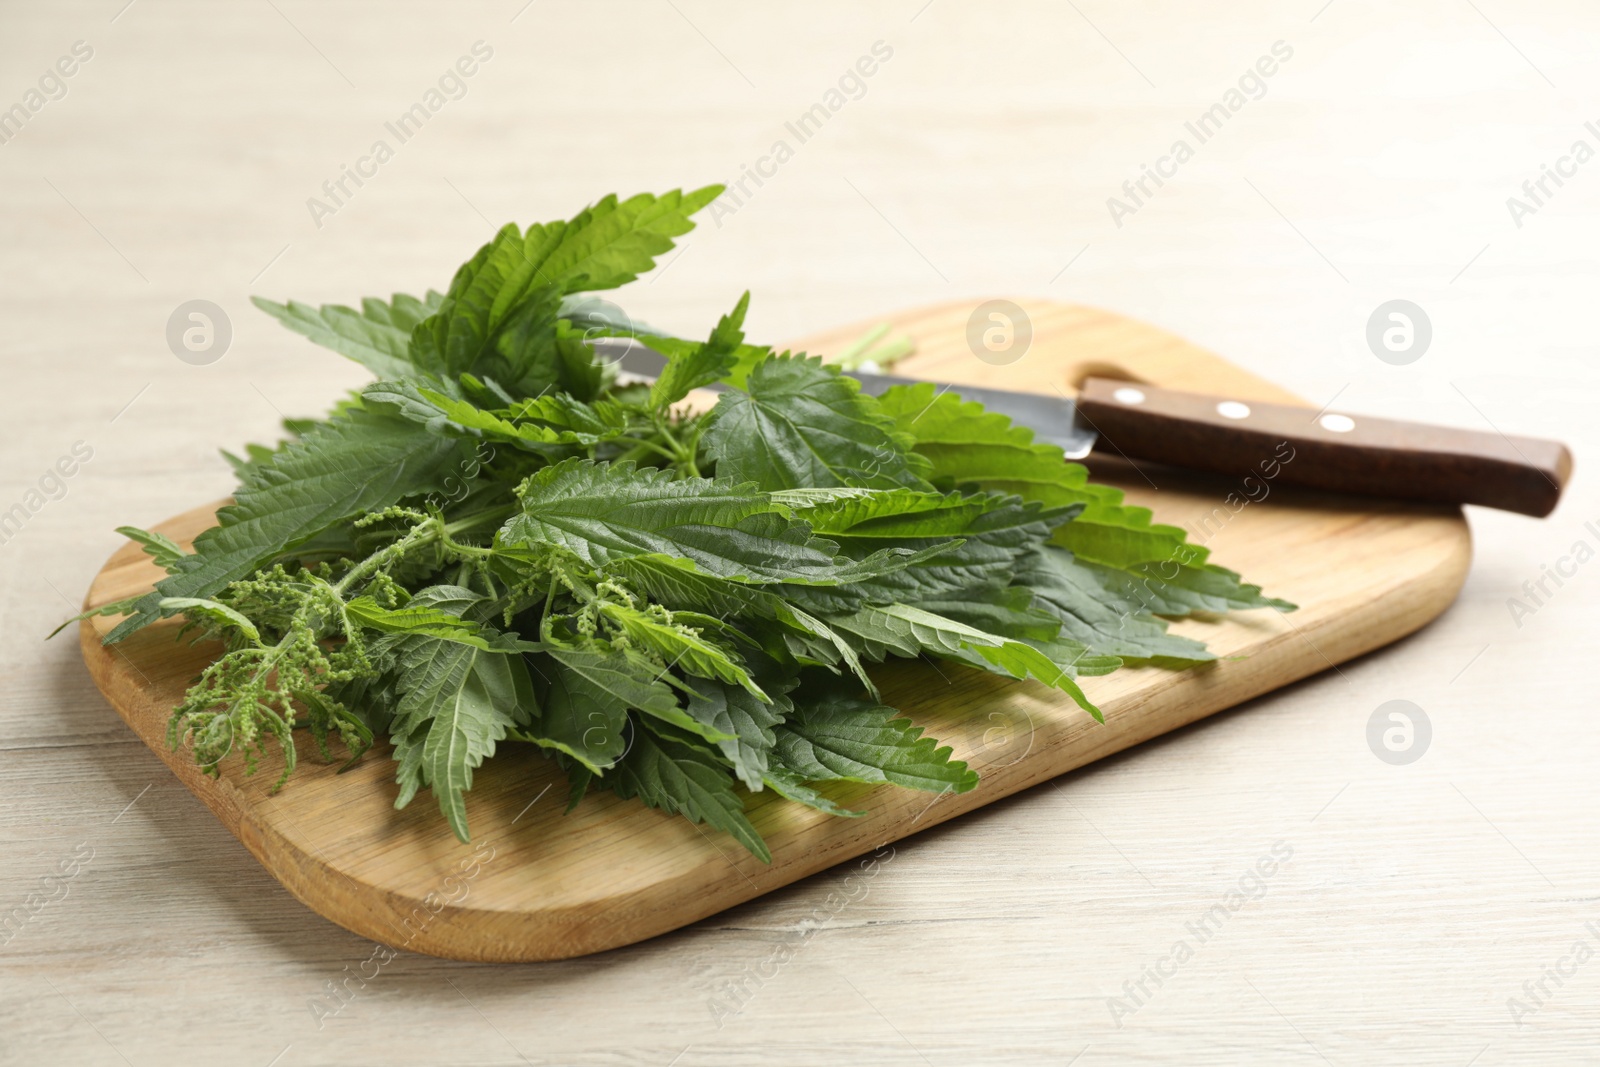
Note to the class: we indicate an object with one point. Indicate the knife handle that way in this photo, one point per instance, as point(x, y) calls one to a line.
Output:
point(1326, 450)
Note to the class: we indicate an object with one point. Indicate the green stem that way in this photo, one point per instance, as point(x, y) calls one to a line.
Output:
point(419, 535)
point(497, 515)
point(466, 550)
point(639, 442)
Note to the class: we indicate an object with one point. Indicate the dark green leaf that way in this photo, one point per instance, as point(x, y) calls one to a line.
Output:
point(601, 512)
point(730, 709)
point(455, 702)
point(679, 778)
point(858, 741)
point(801, 424)
point(1091, 609)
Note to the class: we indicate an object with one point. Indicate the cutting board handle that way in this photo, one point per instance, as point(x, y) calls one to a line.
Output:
point(1293, 445)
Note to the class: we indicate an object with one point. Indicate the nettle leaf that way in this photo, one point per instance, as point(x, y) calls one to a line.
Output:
point(1093, 611)
point(258, 457)
point(220, 614)
point(970, 446)
point(835, 738)
point(824, 644)
point(613, 242)
point(682, 586)
point(378, 336)
point(964, 539)
point(537, 424)
point(417, 618)
point(585, 720)
point(356, 462)
point(596, 316)
point(1166, 588)
point(603, 511)
point(597, 421)
point(910, 631)
point(801, 424)
point(703, 364)
point(501, 322)
point(676, 777)
point(539, 354)
point(680, 646)
point(459, 600)
point(587, 693)
point(1015, 614)
point(455, 702)
point(791, 786)
point(745, 356)
point(125, 606)
point(513, 287)
point(501, 280)
point(161, 549)
point(401, 312)
point(746, 718)
point(1002, 610)
point(887, 513)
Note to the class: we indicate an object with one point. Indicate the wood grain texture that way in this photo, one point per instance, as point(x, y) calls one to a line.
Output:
point(540, 885)
point(1342, 453)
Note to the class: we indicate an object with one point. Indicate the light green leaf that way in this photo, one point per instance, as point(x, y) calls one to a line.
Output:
point(909, 631)
point(221, 614)
point(496, 320)
point(703, 364)
point(419, 619)
point(613, 242)
point(536, 424)
point(159, 547)
point(116, 607)
point(968, 445)
point(378, 336)
point(678, 645)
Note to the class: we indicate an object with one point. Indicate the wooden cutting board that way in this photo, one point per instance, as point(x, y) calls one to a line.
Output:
point(538, 885)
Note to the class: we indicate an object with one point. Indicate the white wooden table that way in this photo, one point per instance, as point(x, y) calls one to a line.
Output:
point(977, 161)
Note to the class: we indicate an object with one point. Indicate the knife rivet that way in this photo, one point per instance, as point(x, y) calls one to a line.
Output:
point(1232, 409)
point(1337, 423)
point(1128, 395)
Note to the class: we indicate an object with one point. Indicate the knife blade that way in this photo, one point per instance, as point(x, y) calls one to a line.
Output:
point(1285, 443)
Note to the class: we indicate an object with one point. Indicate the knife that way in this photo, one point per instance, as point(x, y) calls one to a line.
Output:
point(1326, 450)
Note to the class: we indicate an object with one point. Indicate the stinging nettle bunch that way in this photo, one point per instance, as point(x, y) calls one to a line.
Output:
point(500, 541)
